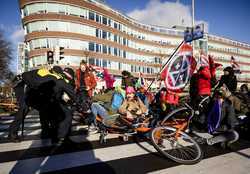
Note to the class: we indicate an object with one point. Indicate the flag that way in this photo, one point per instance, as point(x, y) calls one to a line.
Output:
point(203, 60)
point(179, 69)
point(235, 65)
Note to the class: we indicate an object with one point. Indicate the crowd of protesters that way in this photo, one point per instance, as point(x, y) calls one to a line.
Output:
point(61, 94)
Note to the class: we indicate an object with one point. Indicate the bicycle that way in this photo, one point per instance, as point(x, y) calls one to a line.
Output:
point(163, 138)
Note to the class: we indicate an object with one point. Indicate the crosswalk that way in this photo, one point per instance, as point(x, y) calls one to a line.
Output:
point(87, 155)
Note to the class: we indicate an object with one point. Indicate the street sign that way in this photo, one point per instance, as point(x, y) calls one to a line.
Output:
point(191, 34)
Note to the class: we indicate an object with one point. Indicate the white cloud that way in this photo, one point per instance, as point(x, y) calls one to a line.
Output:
point(167, 14)
point(17, 35)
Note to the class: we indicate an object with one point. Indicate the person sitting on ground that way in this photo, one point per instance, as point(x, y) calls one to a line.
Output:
point(132, 107)
point(105, 105)
point(244, 94)
point(141, 93)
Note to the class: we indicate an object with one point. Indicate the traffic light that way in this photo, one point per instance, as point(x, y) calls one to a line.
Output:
point(50, 57)
point(61, 52)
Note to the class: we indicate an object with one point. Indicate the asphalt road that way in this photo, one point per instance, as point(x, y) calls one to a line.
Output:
point(35, 155)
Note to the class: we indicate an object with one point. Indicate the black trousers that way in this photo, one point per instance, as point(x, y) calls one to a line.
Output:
point(65, 121)
point(22, 110)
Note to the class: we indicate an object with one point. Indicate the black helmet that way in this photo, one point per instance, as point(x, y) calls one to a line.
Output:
point(229, 69)
point(69, 72)
point(57, 69)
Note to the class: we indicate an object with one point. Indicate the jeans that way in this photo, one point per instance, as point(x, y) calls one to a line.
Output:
point(97, 109)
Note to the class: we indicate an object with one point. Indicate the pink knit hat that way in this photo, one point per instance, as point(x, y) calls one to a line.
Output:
point(130, 90)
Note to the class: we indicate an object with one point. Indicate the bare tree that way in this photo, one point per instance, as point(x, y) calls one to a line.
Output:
point(5, 58)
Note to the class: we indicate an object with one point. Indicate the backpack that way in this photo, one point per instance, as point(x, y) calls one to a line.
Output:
point(116, 101)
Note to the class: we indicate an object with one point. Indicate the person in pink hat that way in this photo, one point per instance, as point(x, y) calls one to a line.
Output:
point(132, 106)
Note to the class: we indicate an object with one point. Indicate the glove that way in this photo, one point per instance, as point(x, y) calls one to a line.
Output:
point(65, 97)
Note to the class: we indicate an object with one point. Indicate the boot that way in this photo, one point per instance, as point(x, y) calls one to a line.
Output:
point(13, 137)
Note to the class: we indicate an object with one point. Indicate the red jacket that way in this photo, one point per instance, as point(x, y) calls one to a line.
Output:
point(204, 81)
point(89, 80)
point(170, 98)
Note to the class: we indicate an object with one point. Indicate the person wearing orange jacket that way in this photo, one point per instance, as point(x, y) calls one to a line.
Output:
point(85, 80)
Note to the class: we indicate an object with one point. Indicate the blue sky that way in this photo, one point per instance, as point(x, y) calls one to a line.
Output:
point(228, 18)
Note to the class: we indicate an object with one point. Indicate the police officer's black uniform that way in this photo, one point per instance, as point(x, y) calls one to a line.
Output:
point(43, 89)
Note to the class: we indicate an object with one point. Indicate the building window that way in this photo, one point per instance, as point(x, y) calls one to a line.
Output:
point(109, 21)
point(97, 19)
point(97, 33)
point(148, 70)
point(109, 50)
point(124, 41)
point(115, 51)
point(104, 49)
point(91, 46)
point(91, 16)
point(104, 34)
point(115, 25)
point(124, 54)
point(115, 38)
point(97, 48)
point(104, 63)
point(91, 61)
point(97, 62)
point(104, 21)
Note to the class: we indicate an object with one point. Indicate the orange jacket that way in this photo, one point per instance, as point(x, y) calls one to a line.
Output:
point(89, 80)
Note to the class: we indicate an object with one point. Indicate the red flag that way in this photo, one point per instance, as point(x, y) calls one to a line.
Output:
point(179, 69)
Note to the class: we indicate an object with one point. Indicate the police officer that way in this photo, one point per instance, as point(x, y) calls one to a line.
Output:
point(42, 89)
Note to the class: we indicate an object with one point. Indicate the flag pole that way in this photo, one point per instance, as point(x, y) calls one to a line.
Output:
point(163, 67)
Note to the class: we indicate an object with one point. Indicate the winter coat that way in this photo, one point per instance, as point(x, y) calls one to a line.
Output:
point(132, 106)
point(229, 80)
point(204, 82)
point(89, 81)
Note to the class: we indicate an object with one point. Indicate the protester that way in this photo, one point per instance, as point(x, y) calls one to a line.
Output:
point(141, 93)
point(245, 94)
point(229, 79)
point(85, 81)
point(101, 107)
point(132, 106)
point(127, 79)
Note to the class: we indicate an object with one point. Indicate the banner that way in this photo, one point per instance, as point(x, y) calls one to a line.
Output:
point(179, 70)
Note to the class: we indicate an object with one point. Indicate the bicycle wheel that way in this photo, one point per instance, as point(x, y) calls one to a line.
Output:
point(178, 115)
point(176, 145)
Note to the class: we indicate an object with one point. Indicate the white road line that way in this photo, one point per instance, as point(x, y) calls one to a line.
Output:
point(46, 142)
point(76, 159)
point(26, 125)
point(38, 131)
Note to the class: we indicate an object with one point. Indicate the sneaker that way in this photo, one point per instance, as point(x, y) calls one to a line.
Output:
point(92, 129)
point(210, 141)
point(14, 138)
point(235, 138)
